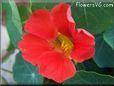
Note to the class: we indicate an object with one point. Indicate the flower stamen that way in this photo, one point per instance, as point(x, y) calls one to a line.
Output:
point(65, 43)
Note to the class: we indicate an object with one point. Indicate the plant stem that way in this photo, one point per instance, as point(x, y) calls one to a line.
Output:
point(7, 70)
point(6, 56)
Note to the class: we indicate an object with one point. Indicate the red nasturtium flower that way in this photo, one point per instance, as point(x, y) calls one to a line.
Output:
point(52, 42)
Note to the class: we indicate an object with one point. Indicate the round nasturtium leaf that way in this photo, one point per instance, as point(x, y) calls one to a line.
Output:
point(109, 37)
point(25, 73)
point(104, 55)
point(89, 78)
point(93, 19)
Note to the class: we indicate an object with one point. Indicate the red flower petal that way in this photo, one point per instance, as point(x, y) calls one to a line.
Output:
point(83, 37)
point(56, 67)
point(81, 53)
point(83, 45)
point(62, 18)
point(41, 24)
point(32, 47)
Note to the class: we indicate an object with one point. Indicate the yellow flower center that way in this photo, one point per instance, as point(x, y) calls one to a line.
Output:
point(63, 44)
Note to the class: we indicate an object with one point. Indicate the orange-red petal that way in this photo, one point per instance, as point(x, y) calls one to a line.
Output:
point(84, 43)
point(32, 47)
point(41, 24)
point(80, 54)
point(63, 18)
point(56, 66)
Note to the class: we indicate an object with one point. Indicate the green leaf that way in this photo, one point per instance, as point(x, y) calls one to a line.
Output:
point(25, 12)
point(49, 82)
point(10, 47)
point(109, 37)
point(89, 65)
point(13, 22)
point(25, 73)
point(84, 77)
point(104, 55)
point(36, 6)
point(93, 19)
point(80, 66)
